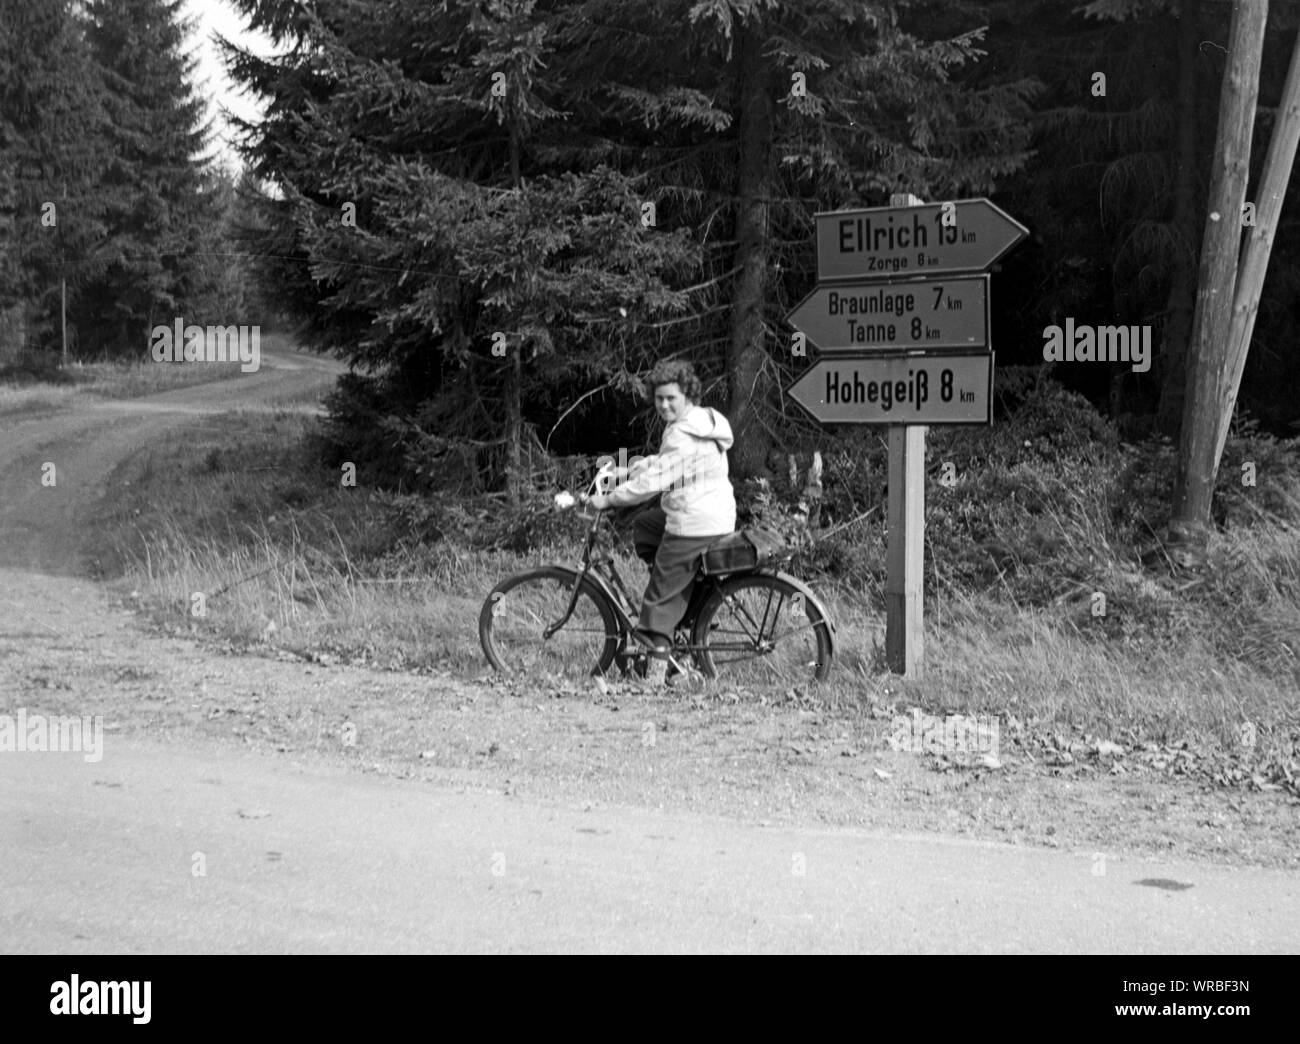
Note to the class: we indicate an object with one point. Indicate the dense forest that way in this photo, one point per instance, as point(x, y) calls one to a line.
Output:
point(500, 213)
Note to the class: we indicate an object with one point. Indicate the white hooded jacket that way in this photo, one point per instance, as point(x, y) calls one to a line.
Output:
point(690, 469)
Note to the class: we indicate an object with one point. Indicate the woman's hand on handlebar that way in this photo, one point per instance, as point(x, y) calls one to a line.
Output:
point(605, 479)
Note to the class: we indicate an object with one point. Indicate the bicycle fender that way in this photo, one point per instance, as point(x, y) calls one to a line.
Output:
point(595, 580)
point(807, 594)
point(593, 584)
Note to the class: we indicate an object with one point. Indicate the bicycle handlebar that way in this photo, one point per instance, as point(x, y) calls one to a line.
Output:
point(599, 485)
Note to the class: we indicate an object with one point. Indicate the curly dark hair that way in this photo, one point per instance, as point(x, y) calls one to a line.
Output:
point(678, 372)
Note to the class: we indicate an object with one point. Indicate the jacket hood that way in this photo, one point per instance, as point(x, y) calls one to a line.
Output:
point(706, 423)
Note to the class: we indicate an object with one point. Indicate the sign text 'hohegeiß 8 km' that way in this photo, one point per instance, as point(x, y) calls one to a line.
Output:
point(898, 389)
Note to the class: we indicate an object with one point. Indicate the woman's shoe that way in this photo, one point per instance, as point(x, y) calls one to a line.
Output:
point(656, 669)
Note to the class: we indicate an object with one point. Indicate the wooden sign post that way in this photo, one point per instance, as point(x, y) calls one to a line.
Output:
point(905, 559)
point(902, 327)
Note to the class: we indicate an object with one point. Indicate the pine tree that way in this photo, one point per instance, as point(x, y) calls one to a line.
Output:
point(153, 178)
point(216, 284)
point(1115, 195)
point(430, 165)
point(684, 112)
point(52, 127)
point(745, 115)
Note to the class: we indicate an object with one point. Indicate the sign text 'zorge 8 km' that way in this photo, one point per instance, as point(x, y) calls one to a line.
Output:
point(965, 235)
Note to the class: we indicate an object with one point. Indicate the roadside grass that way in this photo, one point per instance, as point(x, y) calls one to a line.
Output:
point(131, 380)
point(31, 400)
point(35, 382)
point(287, 559)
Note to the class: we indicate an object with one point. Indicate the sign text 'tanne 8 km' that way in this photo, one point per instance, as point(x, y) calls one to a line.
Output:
point(934, 313)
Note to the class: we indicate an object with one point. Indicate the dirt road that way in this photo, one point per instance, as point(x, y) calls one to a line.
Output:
point(182, 840)
point(41, 525)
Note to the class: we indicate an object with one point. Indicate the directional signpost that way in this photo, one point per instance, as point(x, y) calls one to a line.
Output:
point(898, 389)
point(966, 235)
point(900, 318)
point(936, 313)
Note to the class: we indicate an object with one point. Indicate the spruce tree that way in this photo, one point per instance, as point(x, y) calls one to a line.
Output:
point(440, 244)
point(743, 116)
point(153, 175)
point(52, 127)
point(683, 117)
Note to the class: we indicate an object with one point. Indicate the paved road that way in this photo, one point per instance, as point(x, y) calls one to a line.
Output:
point(310, 858)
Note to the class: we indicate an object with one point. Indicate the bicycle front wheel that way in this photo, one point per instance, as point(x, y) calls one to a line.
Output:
point(762, 629)
point(519, 610)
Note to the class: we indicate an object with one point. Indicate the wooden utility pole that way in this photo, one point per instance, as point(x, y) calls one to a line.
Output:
point(1278, 165)
point(1207, 357)
point(905, 558)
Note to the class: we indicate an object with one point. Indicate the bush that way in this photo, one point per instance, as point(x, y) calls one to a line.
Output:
point(1016, 515)
point(30, 367)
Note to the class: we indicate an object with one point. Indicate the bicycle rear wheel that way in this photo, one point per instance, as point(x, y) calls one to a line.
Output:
point(761, 629)
point(520, 608)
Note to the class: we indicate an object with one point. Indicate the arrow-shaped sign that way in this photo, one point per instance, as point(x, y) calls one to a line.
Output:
point(882, 389)
point(964, 235)
point(925, 313)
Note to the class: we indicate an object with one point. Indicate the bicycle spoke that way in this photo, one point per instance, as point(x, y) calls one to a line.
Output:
point(516, 618)
point(754, 635)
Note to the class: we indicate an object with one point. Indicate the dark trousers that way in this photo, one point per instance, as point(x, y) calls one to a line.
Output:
point(674, 561)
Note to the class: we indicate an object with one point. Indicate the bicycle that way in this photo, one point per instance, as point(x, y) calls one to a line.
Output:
point(759, 624)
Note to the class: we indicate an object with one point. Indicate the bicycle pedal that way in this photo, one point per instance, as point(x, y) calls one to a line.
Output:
point(689, 680)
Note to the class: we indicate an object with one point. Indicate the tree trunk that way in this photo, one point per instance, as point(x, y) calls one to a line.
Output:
point(745, 352)
point(1182, 292)
point(514, 374)
point(1259, 241)
point(1207, 361)
point(514, 427)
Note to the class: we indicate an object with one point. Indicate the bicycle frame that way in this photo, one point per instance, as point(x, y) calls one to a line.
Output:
point(621, 601)
point(615, 591)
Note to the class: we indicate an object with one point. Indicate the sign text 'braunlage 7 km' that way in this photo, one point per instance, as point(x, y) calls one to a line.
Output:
point(929, 313)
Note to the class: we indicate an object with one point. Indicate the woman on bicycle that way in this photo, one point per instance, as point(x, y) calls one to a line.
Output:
point(697, 505)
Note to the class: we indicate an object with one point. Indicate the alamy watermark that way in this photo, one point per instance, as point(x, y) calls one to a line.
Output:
point(679, 472)
point(60, 733)
point(955, 734)
point(1098, 344)
point(181, 343)
point(71, 996)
